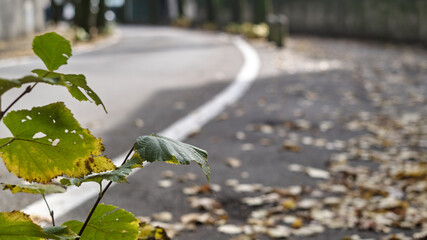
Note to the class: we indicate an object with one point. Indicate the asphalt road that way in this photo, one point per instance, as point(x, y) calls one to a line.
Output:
point(296, 117)
point(149, 79)
point(313, 100)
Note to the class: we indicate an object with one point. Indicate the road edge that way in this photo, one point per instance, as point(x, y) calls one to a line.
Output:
point(79, 49)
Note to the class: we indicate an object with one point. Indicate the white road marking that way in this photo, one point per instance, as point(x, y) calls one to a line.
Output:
point(63, 203)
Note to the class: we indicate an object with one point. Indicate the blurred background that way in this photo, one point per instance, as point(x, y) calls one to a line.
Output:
point(395, 20)
point(330, 140)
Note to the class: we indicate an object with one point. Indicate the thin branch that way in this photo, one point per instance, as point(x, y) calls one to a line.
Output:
point(26, 91)
point(101, 194)
point(50, 211)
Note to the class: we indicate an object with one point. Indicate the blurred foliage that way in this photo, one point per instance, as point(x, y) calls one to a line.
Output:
point(249, 30)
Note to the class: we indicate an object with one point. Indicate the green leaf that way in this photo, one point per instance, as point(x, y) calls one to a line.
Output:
point(108, 223)
point(118, 175)
point(34, 188)
point(157, 148)
point(75, 83)
point(148, 232)
point(18, 226)
point(7, 84)
point(48, 142)
point(60, 233)
point(52, 49)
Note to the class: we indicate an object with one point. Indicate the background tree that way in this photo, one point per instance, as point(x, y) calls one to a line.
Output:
point(57, 8)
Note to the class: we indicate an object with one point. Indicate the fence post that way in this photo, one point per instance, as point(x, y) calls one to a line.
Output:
point(283, 25)
point(278, 29)
point(271, 21)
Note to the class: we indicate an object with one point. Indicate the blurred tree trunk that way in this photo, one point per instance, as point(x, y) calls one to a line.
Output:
point(56, 11)
point(210, 11)
point(154, 12)
point(238, 10)
point(82, 14)
point(100, 17)
point(86, 16)
point(181, 8)
point(260, 11)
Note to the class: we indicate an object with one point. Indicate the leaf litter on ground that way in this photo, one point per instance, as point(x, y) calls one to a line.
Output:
point(375, 180)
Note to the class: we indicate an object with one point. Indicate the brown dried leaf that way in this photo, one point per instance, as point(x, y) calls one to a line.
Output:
point(230, 229)
point(234, 162)
point(291, 146)
point(163, 216)
point(279, 231)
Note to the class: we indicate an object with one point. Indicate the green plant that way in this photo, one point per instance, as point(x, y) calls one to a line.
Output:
point(48, 142)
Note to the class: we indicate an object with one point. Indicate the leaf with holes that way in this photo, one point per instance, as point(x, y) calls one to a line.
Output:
point(118, 175)
point(7, 84)
point(48, 142)
point(53, 49)
point(157, 148)
point(34, 188)
point(75, 83)
point(108, 223)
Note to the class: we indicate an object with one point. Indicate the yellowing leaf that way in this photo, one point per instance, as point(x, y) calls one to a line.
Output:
point(33, 188)
point(148, 232)
point(108, 223)
point(297, 223)
point(118, 175)
point(48, 142)
point(18, 226)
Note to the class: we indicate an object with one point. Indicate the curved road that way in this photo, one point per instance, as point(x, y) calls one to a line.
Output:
point(149, 79)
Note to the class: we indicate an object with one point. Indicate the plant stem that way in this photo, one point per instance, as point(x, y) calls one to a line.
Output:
point(101, 194)
point(26, 91)
point(50, 211)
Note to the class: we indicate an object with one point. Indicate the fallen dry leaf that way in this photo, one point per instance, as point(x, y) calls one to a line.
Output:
point(234, 162)
point(163, 216)
point(165, 183)
point(317, 173)
point(204, 218)
point(204, 203)
point(279, 231)
point(291, 146)
point(230, 229)
point(247, 147)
